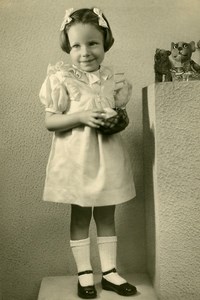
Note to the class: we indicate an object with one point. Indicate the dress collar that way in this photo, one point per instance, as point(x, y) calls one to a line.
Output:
point(91, 77)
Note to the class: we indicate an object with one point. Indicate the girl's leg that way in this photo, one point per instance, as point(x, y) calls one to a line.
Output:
point(80, 242)
point(107, 241)
point(80, 222)
point(104, 217)
point(107, 244)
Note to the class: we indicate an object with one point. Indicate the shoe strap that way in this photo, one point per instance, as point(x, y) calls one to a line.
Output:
point(85, 272)
point(110, 271)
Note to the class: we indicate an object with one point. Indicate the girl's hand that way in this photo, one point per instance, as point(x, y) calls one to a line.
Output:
point(92, 118)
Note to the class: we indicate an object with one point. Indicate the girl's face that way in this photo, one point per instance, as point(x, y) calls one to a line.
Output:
point(87, 46)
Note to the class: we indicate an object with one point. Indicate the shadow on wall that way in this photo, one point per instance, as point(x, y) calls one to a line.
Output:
point(149, 162)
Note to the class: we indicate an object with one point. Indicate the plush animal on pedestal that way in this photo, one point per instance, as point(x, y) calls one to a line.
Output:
point(197, 53)
point(162, 65)
point(180, 58)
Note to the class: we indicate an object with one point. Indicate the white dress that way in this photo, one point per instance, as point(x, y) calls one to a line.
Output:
point(84, 167)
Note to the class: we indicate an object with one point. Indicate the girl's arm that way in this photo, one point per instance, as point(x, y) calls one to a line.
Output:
point(62, 122)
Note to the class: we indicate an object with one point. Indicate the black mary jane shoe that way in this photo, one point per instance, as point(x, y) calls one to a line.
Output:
point(86, 292)
point(124, 289)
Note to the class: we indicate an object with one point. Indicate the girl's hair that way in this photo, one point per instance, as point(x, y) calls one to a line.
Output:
point(86, 16)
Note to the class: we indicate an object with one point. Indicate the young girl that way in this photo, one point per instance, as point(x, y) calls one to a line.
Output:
point(87, 169)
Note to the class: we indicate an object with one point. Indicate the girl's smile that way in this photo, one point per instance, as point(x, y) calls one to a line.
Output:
point(87, 46)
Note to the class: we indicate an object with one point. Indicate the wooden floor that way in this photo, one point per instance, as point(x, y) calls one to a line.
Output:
point(65, 288)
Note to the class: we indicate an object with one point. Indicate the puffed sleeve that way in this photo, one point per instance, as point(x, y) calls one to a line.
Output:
point(53, 94)
point(123, 90)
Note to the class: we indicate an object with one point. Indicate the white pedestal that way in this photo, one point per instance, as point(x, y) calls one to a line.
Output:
point(172, 187)
point(65, 288)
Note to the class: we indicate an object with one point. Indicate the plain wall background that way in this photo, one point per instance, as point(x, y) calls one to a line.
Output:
point(34, 234)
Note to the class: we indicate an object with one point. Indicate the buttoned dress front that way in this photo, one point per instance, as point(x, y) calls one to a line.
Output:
point(85, 167)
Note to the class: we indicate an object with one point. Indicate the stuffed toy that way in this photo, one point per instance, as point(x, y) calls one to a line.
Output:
point(162, 65)
point(181, 60)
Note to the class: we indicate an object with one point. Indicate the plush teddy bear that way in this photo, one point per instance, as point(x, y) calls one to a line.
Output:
point(162, 65)
point(180, 58)
point(182, 65)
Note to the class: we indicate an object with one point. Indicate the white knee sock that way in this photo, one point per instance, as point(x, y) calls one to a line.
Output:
point(81, 253)
point(108, 252)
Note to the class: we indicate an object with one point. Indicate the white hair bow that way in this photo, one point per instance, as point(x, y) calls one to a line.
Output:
point(102, 21)
point(67, 18)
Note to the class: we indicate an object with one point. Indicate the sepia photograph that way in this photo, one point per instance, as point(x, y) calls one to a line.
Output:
point(100, 149)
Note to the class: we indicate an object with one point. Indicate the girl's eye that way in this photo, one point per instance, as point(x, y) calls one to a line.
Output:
point(75, 46)
point(92, 43)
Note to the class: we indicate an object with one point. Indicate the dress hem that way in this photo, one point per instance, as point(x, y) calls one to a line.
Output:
point(105, 200)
